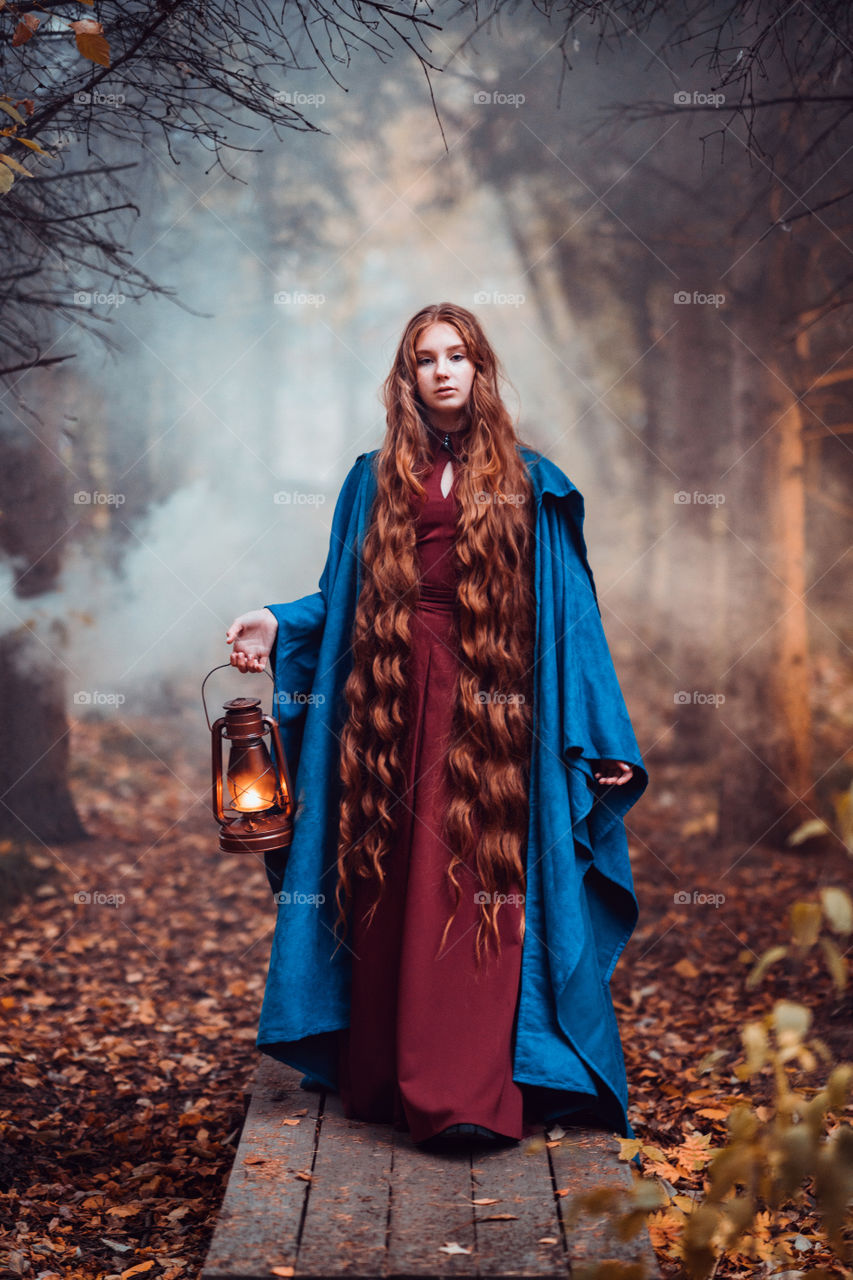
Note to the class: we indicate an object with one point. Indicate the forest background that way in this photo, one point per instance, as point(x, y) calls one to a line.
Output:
point(214, 223)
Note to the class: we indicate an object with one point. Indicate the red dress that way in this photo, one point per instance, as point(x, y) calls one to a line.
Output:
point(430, 1040)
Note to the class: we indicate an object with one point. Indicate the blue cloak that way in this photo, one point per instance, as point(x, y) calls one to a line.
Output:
point(580, 902)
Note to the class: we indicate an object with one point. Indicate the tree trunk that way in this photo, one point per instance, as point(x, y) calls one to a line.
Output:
point(34, 746)
point(766, 745)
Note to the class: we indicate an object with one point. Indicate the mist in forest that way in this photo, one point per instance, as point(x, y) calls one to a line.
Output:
point(208, 449)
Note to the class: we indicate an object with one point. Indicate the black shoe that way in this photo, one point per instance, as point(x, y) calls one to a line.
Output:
point(461, 1137)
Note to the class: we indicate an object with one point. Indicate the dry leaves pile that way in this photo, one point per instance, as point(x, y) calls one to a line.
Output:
point(129, 1019)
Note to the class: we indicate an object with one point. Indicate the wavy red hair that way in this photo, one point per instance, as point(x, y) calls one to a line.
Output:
point(487, 766)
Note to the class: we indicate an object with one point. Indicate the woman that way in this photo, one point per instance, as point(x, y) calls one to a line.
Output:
point(461, 713)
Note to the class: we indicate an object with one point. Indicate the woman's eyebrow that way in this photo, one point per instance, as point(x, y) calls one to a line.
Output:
point(428, 351)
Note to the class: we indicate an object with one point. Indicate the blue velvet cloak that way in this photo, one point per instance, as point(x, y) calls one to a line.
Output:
point(580, 902)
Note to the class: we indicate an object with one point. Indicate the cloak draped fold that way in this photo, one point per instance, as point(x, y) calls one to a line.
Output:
point(580, 904)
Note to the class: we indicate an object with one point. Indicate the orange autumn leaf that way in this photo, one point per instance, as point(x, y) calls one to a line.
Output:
point(90, 41)
point(25, 29)
point(138, 1269)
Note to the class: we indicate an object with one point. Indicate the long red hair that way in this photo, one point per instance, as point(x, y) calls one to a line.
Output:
point(487, 765)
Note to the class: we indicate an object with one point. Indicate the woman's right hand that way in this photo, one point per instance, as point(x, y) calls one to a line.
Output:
point(253, 636)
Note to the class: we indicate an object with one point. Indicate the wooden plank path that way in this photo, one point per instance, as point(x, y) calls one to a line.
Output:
point(334, 1197)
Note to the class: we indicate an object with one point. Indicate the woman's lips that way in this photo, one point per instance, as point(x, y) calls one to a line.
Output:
point(444, 391)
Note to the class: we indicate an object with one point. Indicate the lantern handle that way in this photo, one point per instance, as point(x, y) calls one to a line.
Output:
point(207, 677)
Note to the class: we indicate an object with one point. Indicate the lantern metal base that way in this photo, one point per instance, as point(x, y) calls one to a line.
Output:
point(261, 834)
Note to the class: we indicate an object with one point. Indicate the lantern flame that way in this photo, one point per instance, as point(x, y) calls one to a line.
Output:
point(250, 800)
point(251, 779)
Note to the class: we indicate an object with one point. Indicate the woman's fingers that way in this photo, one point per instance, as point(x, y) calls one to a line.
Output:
point(625, 774)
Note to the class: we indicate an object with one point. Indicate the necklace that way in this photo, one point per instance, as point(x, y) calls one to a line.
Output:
point(448, 441)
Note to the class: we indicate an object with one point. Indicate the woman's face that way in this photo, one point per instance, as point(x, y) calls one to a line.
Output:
point(445, 373)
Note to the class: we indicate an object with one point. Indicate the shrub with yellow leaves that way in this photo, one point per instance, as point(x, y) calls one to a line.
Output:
point(775, 1156)
point(806, 920)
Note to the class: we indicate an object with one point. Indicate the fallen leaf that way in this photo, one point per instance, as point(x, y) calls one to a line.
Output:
point(138, 1269)
point(484, 1200)
point(281, 1271)
point(452, 1248)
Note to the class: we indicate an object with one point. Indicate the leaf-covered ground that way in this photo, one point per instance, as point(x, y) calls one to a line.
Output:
point(129, 1017)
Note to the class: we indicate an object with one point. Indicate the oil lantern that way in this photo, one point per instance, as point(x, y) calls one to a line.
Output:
point(258, 815)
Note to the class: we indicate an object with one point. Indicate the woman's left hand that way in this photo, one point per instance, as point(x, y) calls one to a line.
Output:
point(616, 772)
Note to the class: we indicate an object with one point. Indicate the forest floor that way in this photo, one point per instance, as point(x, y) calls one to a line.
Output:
point(129, 1018)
